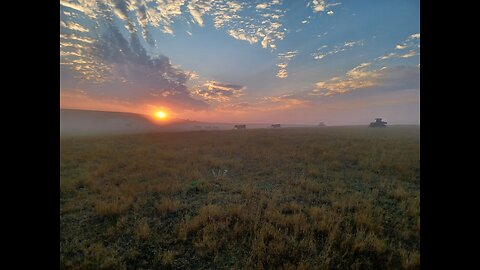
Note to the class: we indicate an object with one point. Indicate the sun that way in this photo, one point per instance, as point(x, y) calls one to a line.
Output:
point(161, 114)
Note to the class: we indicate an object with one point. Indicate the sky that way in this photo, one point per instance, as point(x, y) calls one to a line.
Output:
point(341, 62)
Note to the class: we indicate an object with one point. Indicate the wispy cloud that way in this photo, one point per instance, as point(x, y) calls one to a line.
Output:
point(264, 26)
point(364, 76)
point(411, 43)
point(85, 7)
point(409, 54)
point(266, 104)
point(198, 8)
point(285, 59)
point(282, 102)
point(217, 91)
point(322, 52)
point(73, 26)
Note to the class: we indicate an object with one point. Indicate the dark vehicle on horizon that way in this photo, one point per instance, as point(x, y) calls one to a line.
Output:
point(378, 123)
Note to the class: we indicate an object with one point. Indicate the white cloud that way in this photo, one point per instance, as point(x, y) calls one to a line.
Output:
point(198, 9)
point(261, 24)
point(285, 59)
point(318, 5)
point(322, 53)
point(74, 26)
point(220, 92)
point(321, 5)
point(364, 76)
point(282, 73)
point(85, 7)
point(353, 43)
point(409, 54)
point(318, 55)
point(411, 43)
point(241, 35)
point(414, 36)
point(387, 56)
point(74, 37)
point(262, 6)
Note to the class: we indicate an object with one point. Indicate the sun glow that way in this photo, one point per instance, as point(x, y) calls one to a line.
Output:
point(161, 115)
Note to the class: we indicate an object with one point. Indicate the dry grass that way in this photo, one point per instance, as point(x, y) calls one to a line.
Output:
point(142, 231)
point(330, 198)
point(167, 206)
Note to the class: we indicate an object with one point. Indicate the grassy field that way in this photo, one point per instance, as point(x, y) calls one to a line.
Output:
point(306, 198)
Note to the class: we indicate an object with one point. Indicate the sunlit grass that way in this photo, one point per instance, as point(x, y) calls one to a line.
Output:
point(329, 198)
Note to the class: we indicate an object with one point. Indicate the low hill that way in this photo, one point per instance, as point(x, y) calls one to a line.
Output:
point(84, 122)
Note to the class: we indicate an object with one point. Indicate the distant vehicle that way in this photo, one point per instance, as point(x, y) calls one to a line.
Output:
point(276, 126)
point(240, 127)
point(378, 123)
point(321, 124)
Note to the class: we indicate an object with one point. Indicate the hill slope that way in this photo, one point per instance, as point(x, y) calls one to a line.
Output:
point(100, 122)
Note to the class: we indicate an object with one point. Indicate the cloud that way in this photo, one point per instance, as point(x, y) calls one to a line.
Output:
point(266, 27)
point(282, 102)
point(282, 73)
point(86, 7)
point(261, 6)
point(285, 59)
point(414, 36)
point(198, 8)
point(411, 43)
point(262, 24)
point(318, 5)
point(387, 56)
point(364, 76)
point(265, 104)
point(321, 6)
point(241, 35)
point(353, 43)
point(235, 107)
point(322, 52)
point(333, 4)
point(73, 26)
point(409, 54)
point(216, 91)
point(110, 64)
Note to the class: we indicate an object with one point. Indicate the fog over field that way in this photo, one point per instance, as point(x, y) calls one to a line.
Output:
point(86, 122)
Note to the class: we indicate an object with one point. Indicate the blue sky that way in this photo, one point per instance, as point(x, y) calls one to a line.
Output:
point(341, 62)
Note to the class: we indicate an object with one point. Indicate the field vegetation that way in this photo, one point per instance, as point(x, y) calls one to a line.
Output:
point(302, 198)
